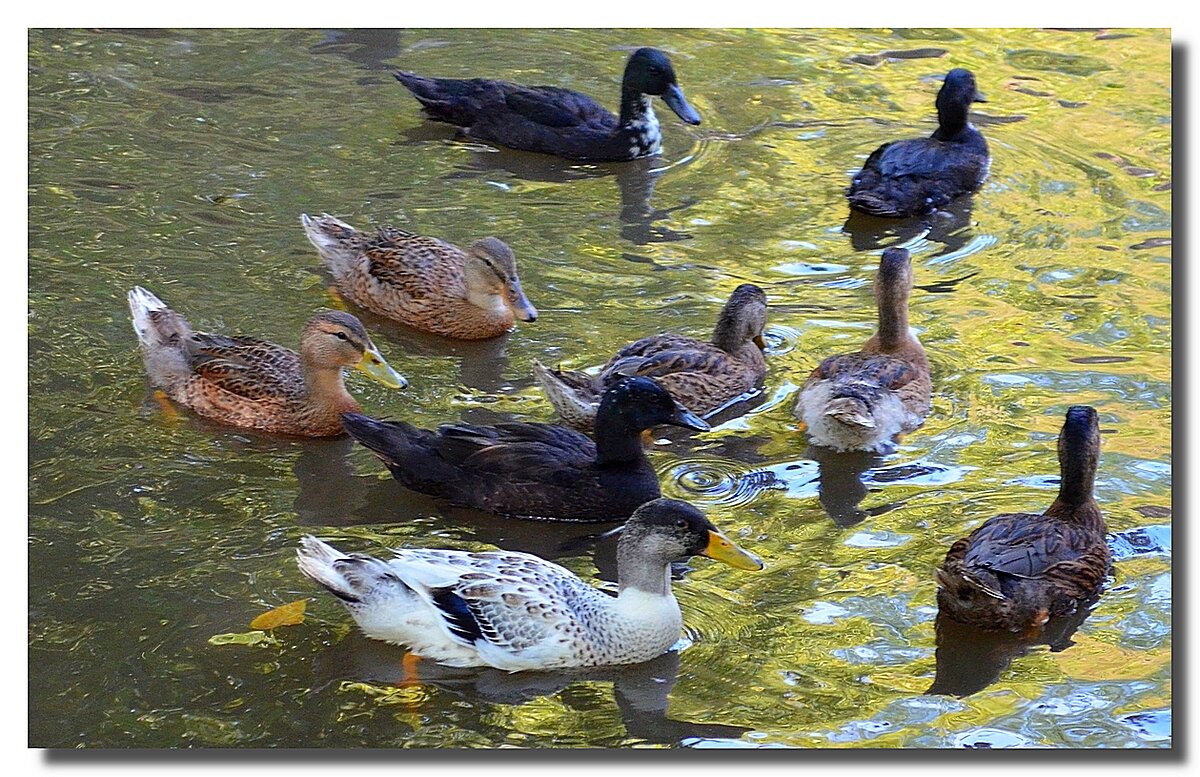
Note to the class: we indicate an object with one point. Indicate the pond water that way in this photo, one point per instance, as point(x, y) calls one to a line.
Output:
point(182, 160)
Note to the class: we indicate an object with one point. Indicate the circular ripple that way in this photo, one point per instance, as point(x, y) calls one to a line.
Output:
point(718, 482)
point(780, 339)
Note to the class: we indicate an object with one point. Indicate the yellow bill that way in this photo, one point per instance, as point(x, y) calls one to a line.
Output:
point(379, 370)
point(720, 548)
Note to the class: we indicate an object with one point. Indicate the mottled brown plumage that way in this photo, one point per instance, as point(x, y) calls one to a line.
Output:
point(861, 401)
point(701, 376)
point(1019, 569)
point(424, 282)
point(252, 383)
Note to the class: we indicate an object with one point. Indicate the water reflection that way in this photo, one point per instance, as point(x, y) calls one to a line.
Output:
point(840, 484)
point(950, 226)
point(635, 181)
point(641, 691)
point(970, 659)
point(369, 48)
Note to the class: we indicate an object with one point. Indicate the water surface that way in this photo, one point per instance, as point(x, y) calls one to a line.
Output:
point(181, 160)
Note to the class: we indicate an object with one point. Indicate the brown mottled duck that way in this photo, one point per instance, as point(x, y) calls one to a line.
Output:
point(701, 376)
point(424, 282)
point(248, 382)
point(862, 401)
point(1018, 570)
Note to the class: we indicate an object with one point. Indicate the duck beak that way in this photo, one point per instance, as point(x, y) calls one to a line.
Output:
point(675, 100)
point(721, 548)
point(687, 419)
point(762, 344)
point(520, 305)
point(979, 98)
point(377, 368)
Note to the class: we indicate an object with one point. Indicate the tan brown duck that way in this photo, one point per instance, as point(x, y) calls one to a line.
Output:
point(1018, 570)
point(701, 376)
point(424, 282)
point(248, 382)
point(863, 400)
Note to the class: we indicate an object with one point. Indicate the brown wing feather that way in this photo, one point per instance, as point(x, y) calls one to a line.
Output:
point(247, 366)
point(420, 267)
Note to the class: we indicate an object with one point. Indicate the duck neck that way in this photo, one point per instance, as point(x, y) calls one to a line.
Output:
point(1075, 491)
point(327, 388)
point(635, 107)
point(636, 572)
point(952, 120)
point(893, 319)
point(616, 443)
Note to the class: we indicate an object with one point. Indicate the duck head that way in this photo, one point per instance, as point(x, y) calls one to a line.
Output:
point(333, 339)
point(893, 284)
point(954, 100)
point(1078, 454)
point(492, 280)
point(630, 407)
point(649, 71)
point(742, 320)
point(666, 530)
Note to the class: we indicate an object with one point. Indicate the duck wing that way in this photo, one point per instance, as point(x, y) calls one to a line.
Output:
point(246, 366)
point(419, 266)
point(512, 607)
point(520, 452)
point(1036, 547)
point(470, 102)
point(876, 369)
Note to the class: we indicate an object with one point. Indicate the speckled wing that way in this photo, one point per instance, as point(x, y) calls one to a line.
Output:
point(246, 366)
point(418, 267)
point(526, 604)
point(1038, 547)
point(513, 601)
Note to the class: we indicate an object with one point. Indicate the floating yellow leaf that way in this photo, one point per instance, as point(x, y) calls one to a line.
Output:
point(251, 638)
point(284, 615)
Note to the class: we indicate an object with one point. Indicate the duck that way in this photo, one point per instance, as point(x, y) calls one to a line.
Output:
point(517, 612)
point(534, 470)
point(552, 120)
point(918, 176)
point(424, 282)
point(862, 401)
point(701, 376)
point(1018, 570)
point(254, 384)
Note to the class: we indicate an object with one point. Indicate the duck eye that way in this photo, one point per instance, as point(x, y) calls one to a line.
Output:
point(341, 336)
point(681, 523)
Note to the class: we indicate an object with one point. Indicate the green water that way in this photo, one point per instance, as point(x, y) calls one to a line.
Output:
point(182, 160)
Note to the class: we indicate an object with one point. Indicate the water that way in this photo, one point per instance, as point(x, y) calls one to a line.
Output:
point(182, 160)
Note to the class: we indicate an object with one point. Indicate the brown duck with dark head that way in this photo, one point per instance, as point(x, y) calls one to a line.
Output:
point(1018, 570)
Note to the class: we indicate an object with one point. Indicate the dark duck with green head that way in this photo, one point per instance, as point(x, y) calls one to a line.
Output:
point(535, 470)
point(552, 120)
point(1018, 570)
point(918, 176)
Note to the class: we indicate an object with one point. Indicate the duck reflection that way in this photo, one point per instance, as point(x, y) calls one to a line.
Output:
point(370, 48)
point(635, 180)
point(840, 484)
point(641, 691)
point(950, 226)
point(970, 659)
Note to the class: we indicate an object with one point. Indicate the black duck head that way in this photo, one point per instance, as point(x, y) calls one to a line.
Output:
point(649, 71)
